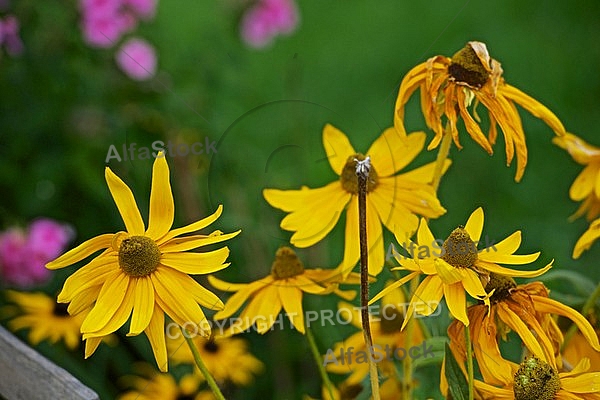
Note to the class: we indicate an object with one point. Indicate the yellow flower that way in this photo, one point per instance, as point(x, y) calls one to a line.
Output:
point(537, 379)
point(143, 273)
point(283, 288)
point(155, 386)
point(388, 339)
point(449, 86)
point(227, 359)
point(456, 266)
point(46, 319)
point(391, 199)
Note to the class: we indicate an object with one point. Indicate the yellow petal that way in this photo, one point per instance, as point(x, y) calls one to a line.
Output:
point(512, 272)
point(91, 344)
point(225, 286)
point(424, 173)
point(351, 243)
point(392, 151)
point(82, 251)
point(374, 240)
point(515, 323)
point(587, 239)
point(584, 183)
point(269, 306)
point(237, 299)
point(118, 318)
point(84, 300)
point(492, 256)
point(306, 285)
point(581, 151)
point(199, 293)
point(162, 208)
point(94, 273)
point(393, 286)
point(125, 202)
point(584, 383)
point(337, 146)
point(474, 225)
point(193, 242)
point(196, 263)
point(156, 335)
point(429, 293)
point(472, 284)
point(506, 246)
point(143, 305)
point(456, 301)
point(291, 299)
point(196, 226)
point(472, 127)
point(111, 296)
point(447, 273)
point(424, 235)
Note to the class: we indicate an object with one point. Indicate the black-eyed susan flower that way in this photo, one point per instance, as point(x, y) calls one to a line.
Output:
point(394, 200)
point(142, 273)
point(227, 359)
point(457, 266)
point(540, 380)
point(450, 86)
point(389, 342)
point(282, 289)
point(45, 319)
point(151, 385)
point(585, 188)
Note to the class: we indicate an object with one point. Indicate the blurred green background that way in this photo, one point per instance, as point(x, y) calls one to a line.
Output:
point(62, 104)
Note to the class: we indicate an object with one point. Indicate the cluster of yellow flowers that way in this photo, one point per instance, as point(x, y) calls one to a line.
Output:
point(144, 273)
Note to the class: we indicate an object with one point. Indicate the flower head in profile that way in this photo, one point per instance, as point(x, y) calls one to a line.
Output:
point(282, 289)
point(456, 267)
point(226, 358)
point(450, 86)
point(142, 273)
point(46, 319)
point(393, 200)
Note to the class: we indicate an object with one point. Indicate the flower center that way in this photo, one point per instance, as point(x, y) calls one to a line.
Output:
point(536, 380)
point(349, 179)
point(392, 320)
point(138, 256)
point(459, 250)
point(211, 346)
point(466, 68)
point(502, 284)
point(286, 264)
point(350, 392)
point(60, 309)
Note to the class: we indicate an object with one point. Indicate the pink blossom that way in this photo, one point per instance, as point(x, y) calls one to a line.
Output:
point(100, 8)
point(137, 59)
point(103, 31)
point(143, 9)
point(267, 19)
point(10, 35)
point(23, 256)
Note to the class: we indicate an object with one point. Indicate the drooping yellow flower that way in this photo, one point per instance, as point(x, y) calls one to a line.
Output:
point(457, 266)
point(46, 319)
point(143, 273)
point(449, 86)
point(283, 288)
point(227, 359)
point(585, 188)
point(155, 386)
point(394, 200)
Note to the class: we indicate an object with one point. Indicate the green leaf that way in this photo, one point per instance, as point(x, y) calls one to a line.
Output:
point(457, 383)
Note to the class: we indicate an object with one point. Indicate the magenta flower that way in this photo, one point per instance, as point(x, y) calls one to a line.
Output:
point(137, 59)
point(23, 255)
point(268, 19)
point(10, 35)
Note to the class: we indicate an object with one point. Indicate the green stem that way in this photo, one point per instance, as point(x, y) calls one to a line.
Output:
point(209, 378)
point(469, 361)
point(407, 363)
point(587, 308)
point(319, 360)
point(441, 157)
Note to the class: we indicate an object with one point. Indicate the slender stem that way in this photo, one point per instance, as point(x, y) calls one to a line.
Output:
point(319, 360)
point(587, 308)
point(209, 378)
point(362, 172)
point(441, 157)
point(469, 361)
point(407, 363)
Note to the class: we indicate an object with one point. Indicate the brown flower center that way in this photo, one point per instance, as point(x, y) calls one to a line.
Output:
point(466, 68)
point(459, 250)
point(60, 309)
point(286, 264)
point(349, 179)
point(211, 347)
point(391, 320)
point(138, 256)
point(536, 380)
point(502, 284)
point(350, 392)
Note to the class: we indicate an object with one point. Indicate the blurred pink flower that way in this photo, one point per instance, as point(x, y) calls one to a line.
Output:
point(104, 31)
point(137, 58)
point(10, 35)
point(23, 256)
point(267, 19)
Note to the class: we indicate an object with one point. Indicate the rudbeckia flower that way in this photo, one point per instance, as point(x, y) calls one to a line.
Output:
point(449, 86)
point(143, 273)
point(283, 288)
point(392, 200)
point(227, 359)
point(457, 266)
point(46, 319)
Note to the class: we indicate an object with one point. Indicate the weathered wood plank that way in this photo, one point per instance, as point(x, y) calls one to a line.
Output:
point(26, 374)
